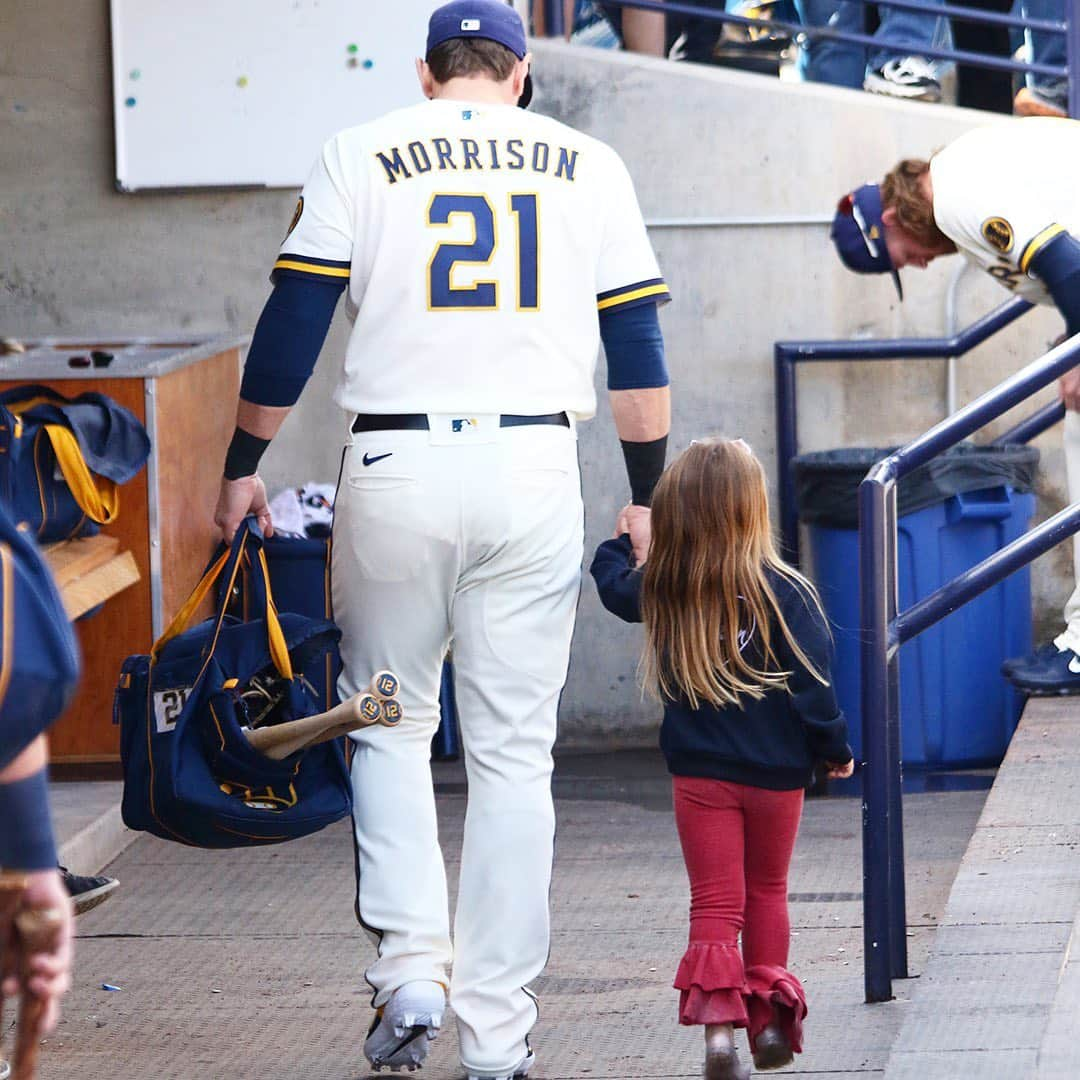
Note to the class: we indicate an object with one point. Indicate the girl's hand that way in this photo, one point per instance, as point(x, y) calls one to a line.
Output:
point(637, 521)
point(839, 772)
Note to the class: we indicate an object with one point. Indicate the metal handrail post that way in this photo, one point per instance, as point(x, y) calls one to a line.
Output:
point(1072, 57)
point(875, 574)
point(898, 965)
point(554, 22)
point(787, 441)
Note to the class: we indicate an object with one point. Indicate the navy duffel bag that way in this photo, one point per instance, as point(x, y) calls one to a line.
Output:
point(189, 773)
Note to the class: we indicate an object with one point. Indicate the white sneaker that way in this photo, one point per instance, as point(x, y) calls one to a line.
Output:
point(404, 1026)
point(518, 1072)
point(911, 78)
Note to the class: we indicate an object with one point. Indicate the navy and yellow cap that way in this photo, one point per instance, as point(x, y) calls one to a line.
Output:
point(859, 234)
point(493, 20)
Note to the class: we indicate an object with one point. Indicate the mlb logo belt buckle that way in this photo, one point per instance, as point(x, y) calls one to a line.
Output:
point(458, 429)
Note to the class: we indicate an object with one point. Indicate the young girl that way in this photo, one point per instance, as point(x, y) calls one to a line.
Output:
point(738, 648)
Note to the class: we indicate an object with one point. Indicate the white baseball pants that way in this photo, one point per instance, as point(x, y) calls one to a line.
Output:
point(1070, 639)
point(472, 537)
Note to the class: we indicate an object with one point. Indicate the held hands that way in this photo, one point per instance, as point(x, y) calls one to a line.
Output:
point(839, 772)
point(40, 971)
point(637, 521)
point(238, 498)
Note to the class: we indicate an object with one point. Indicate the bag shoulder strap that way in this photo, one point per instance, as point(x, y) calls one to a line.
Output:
point(229, 563)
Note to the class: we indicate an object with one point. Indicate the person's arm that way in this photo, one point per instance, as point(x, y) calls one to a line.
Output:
point(641, 406)
point(644, 31)
point(814, 701)
point(1057, 264)
point(287, 340)
point(28, 864)
point(617, 582)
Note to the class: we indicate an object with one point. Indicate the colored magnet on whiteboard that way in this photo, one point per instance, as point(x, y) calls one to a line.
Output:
point(130, 102)
point(354, 48)
point(242, 81)
point(135, 73)
point(369, 64)
point(352, 62)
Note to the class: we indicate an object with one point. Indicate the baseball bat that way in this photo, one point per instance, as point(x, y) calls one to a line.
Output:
point(12, 886)
point(38, 928)
point(359, 711)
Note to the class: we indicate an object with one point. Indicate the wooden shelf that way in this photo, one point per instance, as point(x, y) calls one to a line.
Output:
point(90, 570)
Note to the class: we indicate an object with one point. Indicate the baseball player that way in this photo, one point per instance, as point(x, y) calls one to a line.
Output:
point(485, 252)
point(1007, 198)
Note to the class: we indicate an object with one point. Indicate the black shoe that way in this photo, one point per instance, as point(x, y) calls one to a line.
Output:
point(1048, 675)
point(772, 1049)
point(86, 892)
point(1039, 656)
point(725, 1065)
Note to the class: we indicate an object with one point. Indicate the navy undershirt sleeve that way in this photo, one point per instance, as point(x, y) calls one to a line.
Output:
point(1057, 265)
point(634, 347)
point(288, 337)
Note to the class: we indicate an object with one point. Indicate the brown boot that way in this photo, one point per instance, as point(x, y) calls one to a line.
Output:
point(772, 1049)
point(725, 1065)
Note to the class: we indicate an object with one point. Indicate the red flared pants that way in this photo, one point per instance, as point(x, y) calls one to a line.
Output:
point(737, 842)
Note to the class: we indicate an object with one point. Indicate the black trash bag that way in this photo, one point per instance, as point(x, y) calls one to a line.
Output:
point(827, 482)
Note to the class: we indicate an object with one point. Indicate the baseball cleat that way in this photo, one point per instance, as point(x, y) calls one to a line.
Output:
point(404, 1026)
point(519, 1072)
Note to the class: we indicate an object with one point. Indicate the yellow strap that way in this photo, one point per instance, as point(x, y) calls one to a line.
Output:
point(191, 605)
point(97, 496)
point(278, 649)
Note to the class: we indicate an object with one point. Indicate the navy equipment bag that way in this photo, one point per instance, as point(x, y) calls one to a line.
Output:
point(39, 656)
point(189, 773)
point(62, 460)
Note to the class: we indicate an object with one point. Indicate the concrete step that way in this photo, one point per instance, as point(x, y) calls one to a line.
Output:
point(87, 822)
point(1000, 991)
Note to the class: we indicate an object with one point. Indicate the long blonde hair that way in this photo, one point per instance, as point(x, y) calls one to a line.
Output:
point(705, 587)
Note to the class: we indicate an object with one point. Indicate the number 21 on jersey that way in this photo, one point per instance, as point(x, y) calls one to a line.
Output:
point(482, 295)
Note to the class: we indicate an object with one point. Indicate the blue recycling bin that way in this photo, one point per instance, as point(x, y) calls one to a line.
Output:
point(956, 709)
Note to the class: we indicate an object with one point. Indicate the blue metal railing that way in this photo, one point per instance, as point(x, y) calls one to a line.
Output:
point(1069, 29)
point(788, 354)
point(884, 630)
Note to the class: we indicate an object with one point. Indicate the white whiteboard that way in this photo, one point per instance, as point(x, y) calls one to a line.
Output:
point(210, 93)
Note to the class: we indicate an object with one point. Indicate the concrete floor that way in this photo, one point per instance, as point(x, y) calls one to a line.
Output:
point(248, 964)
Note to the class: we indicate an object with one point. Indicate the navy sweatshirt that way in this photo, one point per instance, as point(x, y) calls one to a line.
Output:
point(773, 742)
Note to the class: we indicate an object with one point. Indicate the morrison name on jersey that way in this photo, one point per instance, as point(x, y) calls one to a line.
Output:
point(445, 155)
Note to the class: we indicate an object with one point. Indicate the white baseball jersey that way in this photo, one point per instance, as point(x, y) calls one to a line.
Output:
point(1003, 192)
point(479, 242)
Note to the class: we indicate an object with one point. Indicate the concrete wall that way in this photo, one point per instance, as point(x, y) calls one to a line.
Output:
point(739, 154)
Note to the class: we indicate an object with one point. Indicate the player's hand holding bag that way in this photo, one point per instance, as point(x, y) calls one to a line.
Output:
point(62, 460)
point(190, 773)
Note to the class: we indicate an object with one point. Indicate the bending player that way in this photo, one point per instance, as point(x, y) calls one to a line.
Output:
point(486, 251)
point(1006, 197)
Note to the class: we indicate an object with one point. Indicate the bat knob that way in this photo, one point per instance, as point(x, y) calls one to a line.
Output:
point(391, 713)
point(385, 683)
point(369, 708)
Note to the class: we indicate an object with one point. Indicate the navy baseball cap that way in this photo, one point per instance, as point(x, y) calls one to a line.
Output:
point(859, 234)
point(493, 20)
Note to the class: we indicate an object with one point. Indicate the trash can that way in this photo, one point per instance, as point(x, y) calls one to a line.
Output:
point(956, 709)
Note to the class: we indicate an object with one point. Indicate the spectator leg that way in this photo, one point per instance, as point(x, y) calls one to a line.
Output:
point(836, 62)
